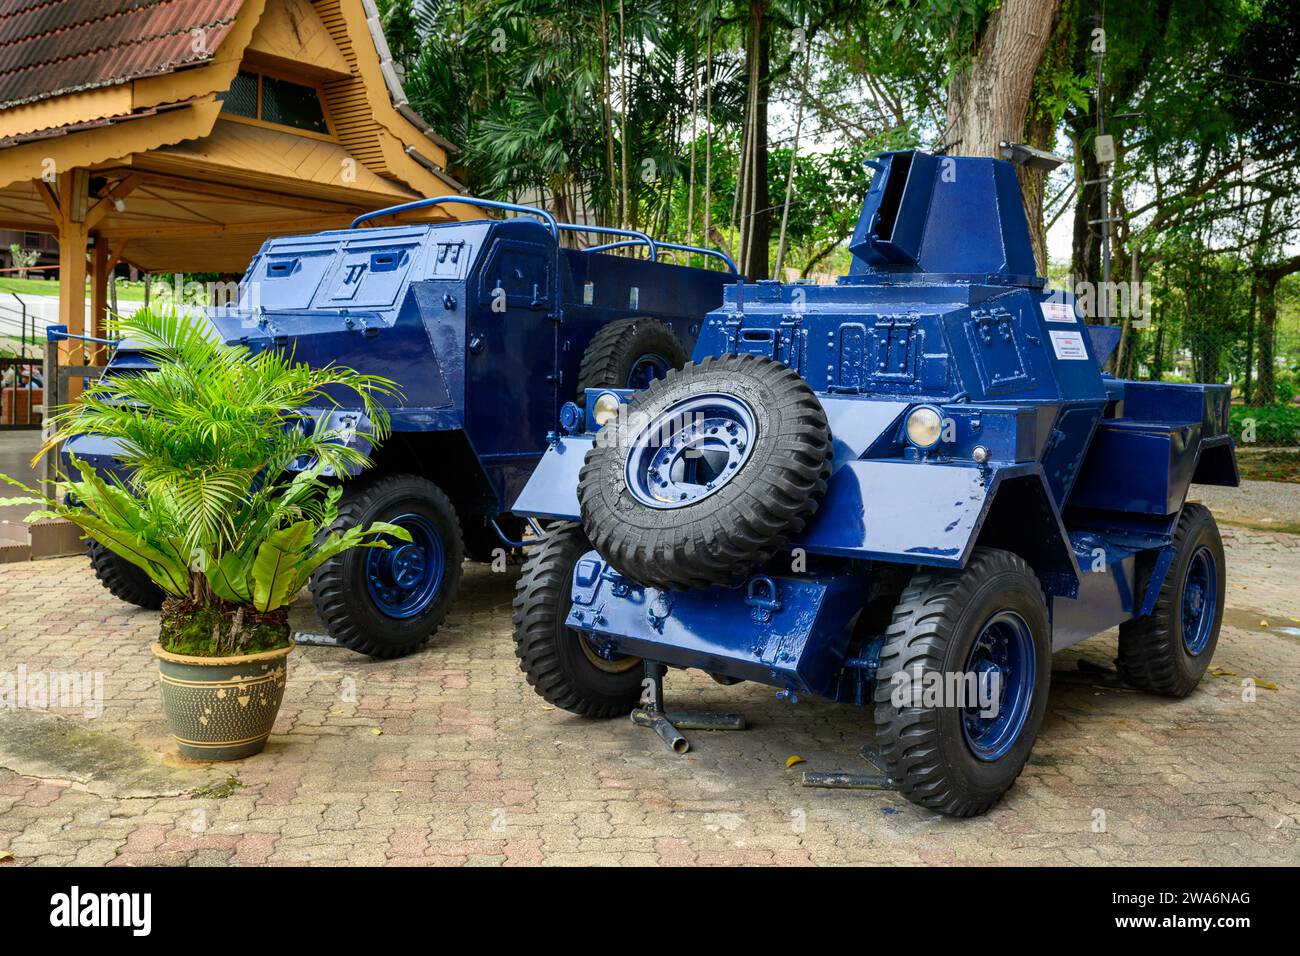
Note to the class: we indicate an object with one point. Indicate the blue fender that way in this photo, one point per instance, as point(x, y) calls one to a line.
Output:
point(864, 515)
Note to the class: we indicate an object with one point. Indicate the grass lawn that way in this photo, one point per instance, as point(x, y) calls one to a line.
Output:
point(126, 291)
point(1269, 464)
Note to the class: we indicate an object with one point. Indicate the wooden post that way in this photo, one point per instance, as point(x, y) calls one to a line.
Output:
point(100, 263)
point(73, 199)
point(50, 401)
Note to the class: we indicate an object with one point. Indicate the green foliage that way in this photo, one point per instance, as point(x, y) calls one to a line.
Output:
point(23, 259)
point(1284, 386)
point(1273, 425)
point(216, 511)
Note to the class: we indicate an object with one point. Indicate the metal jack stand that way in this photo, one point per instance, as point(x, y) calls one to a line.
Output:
point(843, 780)
point(651, 713)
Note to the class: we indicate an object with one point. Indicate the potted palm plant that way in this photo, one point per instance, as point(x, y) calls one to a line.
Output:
point(226, 505)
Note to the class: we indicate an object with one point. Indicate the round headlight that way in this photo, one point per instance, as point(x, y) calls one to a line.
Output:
point(924, 427)
point(606, 409)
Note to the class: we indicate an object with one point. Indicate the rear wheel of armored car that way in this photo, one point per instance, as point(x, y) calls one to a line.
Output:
point(715, 468)
point(963, 680)
point(124, 580)
point(389, 602)
point(630, 353)
point(560, 664)
point(1168, 651)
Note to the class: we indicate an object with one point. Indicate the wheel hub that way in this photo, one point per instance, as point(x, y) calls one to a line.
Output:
point(691, 450)
point(1001, 660)
point(403, 580)
point(605, 659)
point(405, 565)
point(1200, 597)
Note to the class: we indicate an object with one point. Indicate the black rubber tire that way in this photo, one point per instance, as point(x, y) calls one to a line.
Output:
point(124, 580)
point(742, 525)
point(550, 654)
point(935, 623)
point(338, 587)
point(481, 539)
point(612, 352)
point(1152, 655)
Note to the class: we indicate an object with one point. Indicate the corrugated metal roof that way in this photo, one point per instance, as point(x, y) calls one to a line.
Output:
point(52, 47)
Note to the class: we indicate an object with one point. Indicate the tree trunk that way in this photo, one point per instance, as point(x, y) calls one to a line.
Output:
point(708, 136)
point(695, 110)
point(1033, 183)
point(1266, 300)
point(1248, 385)
point(989, 101)
point(1158, 351)
point(1085, 259)
point(625, 217)
point(607, 115)
point(794, 152)
point(757, 215)
point(1266, 283)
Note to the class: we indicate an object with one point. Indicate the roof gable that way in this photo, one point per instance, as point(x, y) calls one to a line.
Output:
point(291, 34)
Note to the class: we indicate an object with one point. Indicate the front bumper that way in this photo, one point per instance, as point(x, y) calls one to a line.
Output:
point(789, 632)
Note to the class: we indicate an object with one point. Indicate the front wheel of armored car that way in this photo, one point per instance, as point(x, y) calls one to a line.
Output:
point(124, 580)
point(389, 602)
point(1168, 651)
point(560, 664)
point(963, 680)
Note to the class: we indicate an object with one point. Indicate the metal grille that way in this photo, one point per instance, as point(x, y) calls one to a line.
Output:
point(292, 104)
point(241, 98)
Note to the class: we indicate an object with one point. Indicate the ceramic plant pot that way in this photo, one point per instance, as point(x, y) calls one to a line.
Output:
point(221, 708)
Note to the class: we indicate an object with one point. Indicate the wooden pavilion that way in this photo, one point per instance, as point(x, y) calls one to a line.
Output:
point(177, 135)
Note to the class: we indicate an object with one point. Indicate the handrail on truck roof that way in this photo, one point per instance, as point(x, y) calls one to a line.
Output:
point(464, 200)
point(638, 238)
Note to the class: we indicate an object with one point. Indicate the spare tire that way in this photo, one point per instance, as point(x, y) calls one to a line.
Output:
point(630, 353)
point(711, 471)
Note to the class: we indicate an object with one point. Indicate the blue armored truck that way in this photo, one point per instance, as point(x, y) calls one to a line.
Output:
point(904, 492)
point(488, 327)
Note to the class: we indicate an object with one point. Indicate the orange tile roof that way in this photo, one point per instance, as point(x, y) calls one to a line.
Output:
point(52, 47)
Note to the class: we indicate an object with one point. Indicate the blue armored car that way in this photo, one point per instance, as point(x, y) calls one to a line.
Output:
point(904, 492)
point(488, 327)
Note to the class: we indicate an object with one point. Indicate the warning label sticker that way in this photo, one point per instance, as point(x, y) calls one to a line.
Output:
point(1058, 311)
point(1068, 345)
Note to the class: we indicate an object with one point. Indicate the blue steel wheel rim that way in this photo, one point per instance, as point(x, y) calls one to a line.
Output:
point(647, 368)
point(1200, 600)
point(1005, 648)
point(690, 450)
point(403, 580)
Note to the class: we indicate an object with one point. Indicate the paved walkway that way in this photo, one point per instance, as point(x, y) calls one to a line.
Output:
point(447, 757)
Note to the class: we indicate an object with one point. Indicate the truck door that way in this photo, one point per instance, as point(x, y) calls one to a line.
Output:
point(511, 402)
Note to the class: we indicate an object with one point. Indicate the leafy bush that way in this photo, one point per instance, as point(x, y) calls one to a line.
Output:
point(1284, 386)
point(1271, 425)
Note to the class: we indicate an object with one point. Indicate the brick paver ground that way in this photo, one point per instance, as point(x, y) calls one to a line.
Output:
point(447, 757)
